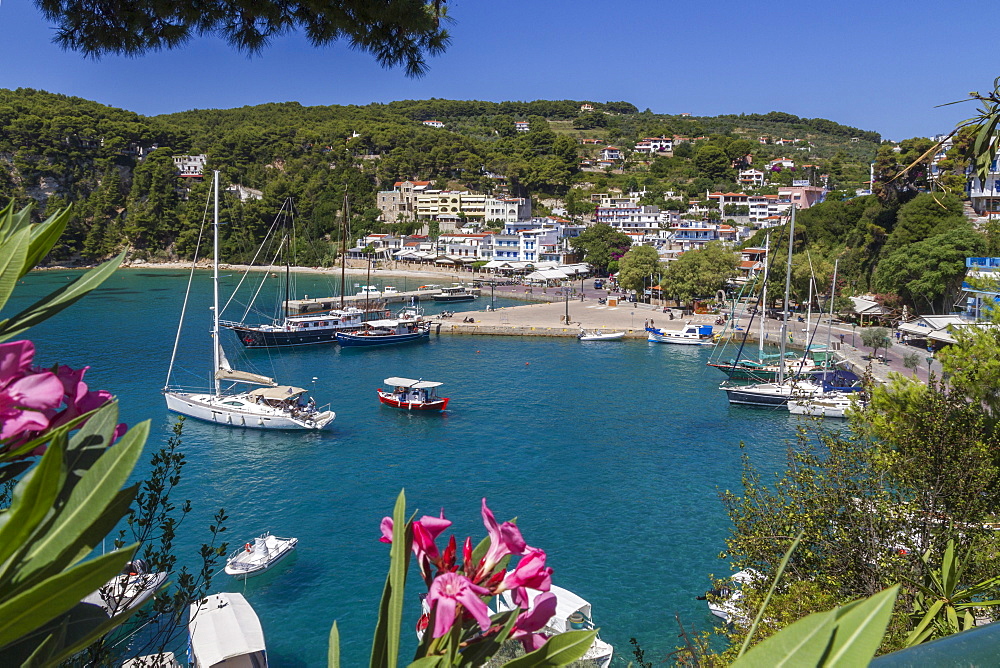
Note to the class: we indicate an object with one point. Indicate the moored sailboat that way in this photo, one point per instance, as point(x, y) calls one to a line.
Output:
point(268, 407)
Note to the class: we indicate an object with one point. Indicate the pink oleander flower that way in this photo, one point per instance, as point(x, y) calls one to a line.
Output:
point(529, 622)
point(531, 572)
point(450, 590)
point(504, 539)
point(26, 395)
point(425, 533)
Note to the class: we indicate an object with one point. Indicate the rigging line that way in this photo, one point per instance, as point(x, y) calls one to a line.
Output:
point(760, 307)
point(252, 261)
point(187, 293)
point(260, 287)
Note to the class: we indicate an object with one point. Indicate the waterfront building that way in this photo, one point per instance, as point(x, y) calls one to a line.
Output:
point(400, 202)
point(415, 200)
point(642, 219)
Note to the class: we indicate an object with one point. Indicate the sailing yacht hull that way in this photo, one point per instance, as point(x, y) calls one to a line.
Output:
point(211, 408)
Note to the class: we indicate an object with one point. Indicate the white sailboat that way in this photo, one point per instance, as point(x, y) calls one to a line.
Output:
point(270, 407)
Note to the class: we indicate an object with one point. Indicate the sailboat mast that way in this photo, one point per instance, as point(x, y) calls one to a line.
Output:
point(288, 252)
point(829, 325)
point(788, 285)
point(215, 288)
point(343, 250)
point(763, 298)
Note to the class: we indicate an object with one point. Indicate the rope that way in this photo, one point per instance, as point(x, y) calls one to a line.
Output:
point(187, 293)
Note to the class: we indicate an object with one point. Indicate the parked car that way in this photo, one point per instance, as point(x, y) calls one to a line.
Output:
point(598, 284)
point(778, 314)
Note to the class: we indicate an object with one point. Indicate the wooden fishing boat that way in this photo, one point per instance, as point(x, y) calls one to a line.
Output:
point(412, 395)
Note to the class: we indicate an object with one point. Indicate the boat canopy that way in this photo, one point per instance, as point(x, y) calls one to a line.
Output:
point(224, 626)
point(409, 382)
point(277, 393)
point(383, 323)
point(566, 604)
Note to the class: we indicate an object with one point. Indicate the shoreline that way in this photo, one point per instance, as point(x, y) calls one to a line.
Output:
point(456, 276)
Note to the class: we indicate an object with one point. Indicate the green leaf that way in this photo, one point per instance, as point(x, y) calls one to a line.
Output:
point(45, 236)
point(34, 607)
point(333, 652)
point(922, 630)
point(428, 662)
point(385, 644)
point(31, 502)
point(51, 304)
point(479, 651)
point(860, 628)
point(801, 644)
point(92, 440)
point(13, 255)
point(95, 492)
point(399, 562)
point(559, 650)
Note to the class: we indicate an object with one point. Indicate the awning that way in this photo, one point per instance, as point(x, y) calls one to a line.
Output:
point(547, 275)
point(224, 626)
point(409, 382)
point(444, 260)
point(278, 393)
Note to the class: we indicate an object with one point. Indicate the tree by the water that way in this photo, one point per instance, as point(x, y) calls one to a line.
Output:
point(602, 246)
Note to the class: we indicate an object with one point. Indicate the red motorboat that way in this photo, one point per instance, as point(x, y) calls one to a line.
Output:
point(412, 395)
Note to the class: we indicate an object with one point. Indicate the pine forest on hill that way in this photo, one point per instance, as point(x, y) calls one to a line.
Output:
point(56, 150)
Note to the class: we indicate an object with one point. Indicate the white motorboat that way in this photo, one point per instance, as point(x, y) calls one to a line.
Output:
point(572, 614)
point(828, 404)
point(597, 335)
point(271, 407)
point(261, 555)
point(689, 335)
point(223, 630)
point(131, 588)
point(722, 602)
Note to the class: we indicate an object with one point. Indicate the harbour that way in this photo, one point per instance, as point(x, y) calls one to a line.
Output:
point(589, 445)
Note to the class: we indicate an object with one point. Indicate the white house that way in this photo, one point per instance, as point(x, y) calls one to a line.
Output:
point(433, 124)
point(611, 153)
point(190, 165)
point(752, 178)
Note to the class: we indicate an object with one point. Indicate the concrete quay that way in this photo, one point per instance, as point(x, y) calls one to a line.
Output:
point(548, 319)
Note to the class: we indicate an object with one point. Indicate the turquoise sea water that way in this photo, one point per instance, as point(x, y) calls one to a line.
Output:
point(611, 455)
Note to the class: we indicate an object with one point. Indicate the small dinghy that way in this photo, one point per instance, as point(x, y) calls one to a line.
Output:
point(260, 555)
point(597, 335)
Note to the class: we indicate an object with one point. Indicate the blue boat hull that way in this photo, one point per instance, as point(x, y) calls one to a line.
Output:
point(357, 340)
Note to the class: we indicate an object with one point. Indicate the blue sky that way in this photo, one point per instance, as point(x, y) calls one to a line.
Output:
point(878, 66)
